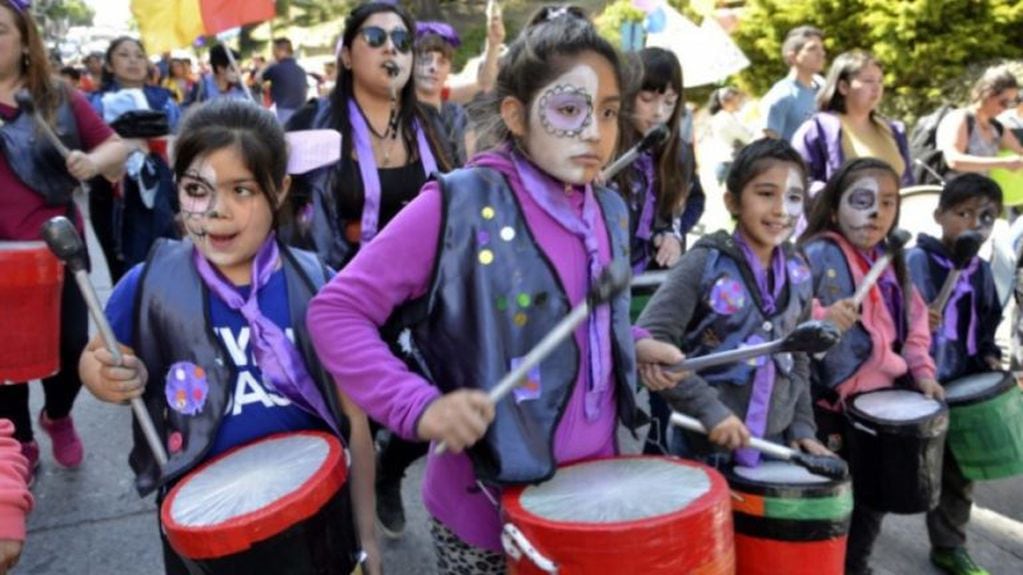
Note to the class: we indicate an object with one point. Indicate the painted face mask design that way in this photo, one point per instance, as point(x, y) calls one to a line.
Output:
point(986, 216)
point(794, 196)
point(565, 111)
point(858, 206)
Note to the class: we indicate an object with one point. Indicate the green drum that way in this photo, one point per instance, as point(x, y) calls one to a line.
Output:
point(985, 431)
point(638, 304)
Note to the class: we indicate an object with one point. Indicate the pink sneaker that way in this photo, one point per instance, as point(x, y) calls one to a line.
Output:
point(31, 452)
point(67, 446)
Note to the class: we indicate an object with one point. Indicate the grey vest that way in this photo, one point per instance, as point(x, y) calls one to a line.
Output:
point(35, 161)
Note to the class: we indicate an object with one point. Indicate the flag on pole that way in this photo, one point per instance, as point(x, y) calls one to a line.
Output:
point(168, 24)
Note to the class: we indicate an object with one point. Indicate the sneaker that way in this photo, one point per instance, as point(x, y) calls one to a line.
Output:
point(30, 450)
point(955, 561)
point(390, 512)
point(67, 446)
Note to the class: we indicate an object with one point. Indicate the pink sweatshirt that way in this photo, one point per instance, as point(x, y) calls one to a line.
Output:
point(15, 499)
point(884, 365)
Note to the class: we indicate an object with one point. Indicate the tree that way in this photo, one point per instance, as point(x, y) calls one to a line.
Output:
point(56, 16)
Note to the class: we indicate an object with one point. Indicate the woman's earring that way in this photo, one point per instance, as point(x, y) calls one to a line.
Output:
point(25, 60)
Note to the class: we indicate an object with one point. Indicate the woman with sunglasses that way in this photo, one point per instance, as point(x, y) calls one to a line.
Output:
point(388, 147)
point(970, 137)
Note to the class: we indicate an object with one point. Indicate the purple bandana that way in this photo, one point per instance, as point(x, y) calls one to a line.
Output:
point(963, 288)
point(21, 5)
point(890, 290)
point(275, 355)
point(549, 195)
point(368, 167)
point(445, 31)
point(768, 296)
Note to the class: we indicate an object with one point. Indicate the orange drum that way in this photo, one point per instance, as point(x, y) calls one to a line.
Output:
point(30, 284)
point(650, 515)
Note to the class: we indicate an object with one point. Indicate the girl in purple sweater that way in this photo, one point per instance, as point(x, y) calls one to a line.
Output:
point(480, 266)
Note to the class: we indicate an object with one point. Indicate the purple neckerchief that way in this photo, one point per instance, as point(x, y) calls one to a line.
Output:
point(963, 287)
point(645, 228)
point(368, 168)
point(891, 292)
point(763, 377)
point(549, 194)
point(276, 357)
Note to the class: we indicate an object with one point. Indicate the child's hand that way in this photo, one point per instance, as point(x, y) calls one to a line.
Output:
point(812, 446)
point(115, 383)
point(730, 433)
point(651, 357)
point(933, 319)
point(993, 362)
point(669, 249)
point(931, 388)
point(459, 418)
point(842, 313)
point(10, 552)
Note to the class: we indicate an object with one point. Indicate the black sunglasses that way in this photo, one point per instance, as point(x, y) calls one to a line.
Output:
point(376, 37)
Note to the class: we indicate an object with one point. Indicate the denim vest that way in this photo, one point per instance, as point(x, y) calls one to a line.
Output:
point(35, 161)
point(730, 314)
point(493, 296)
point(172, 302)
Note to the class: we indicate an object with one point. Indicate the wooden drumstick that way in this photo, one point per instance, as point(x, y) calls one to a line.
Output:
point(611, 282)
point(649, 279)
point(966, 246)
point(811, 337)
point(824, 465)
point(65, 243)
point(896, 240)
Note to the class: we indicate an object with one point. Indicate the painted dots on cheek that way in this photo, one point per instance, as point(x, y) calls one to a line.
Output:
point(565, 111)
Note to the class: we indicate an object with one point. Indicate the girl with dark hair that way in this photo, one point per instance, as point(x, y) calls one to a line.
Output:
point(884, 341)
point(481, 265)
point(144, 115)
point(737, 289)
point(37, 184)
point(205, 305)
point(388, 146)
point(848, 124)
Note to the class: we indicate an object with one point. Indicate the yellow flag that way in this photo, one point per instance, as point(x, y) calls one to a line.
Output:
point(168, 24)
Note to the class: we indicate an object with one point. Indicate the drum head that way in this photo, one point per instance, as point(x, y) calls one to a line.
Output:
point(780, 472)
point(616, 490)
point(896, 405)
point(974, 386)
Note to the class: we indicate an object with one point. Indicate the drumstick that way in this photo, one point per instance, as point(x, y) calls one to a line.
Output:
point(25, 103)
point(824, 465)
point(64, 242)
point(649, 279)
point(967, 245)
point(896, 239)
point(612, 280)
point(811, 337)
point(655, 136)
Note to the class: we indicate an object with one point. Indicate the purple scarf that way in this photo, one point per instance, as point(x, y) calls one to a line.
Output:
point(276, 357)
point(963, 288)
point(891, 292)
point(763, 378)
point(368, 167)
point(549, 194)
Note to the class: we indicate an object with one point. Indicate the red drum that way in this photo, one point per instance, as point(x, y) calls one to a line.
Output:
point(30, 285)
point(276, 505)
point(650, 515)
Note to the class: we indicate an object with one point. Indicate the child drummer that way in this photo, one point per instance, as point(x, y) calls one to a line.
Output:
point(963, 339)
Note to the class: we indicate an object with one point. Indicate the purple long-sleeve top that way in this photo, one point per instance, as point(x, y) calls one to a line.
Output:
point(397, 266)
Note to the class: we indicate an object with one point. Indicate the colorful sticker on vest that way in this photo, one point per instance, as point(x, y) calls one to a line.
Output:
point(487, 212)
point(486, 257)
point(831, 273)
point(529, 389)
point(760, 360)
point(507, 233)
point(523, 300)
point(483, 237)
point(186, 388)
point(727, 296)
point(798, 272)
point(174, 442)
point(520, 319)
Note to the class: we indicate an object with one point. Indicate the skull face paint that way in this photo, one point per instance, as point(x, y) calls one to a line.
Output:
point(795, 194)
point(565, 111)
point(197, 196)
point(977, 214)
point(867, 209)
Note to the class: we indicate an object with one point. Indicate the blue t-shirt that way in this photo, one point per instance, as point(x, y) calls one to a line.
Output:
point(252, 410)
point(787, 105)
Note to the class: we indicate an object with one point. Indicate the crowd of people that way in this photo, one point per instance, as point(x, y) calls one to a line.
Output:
point(380, 295)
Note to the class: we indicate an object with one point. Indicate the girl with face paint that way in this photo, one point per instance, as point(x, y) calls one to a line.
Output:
point(737, 289)
point(885, 342)
point(213, 325)
point(490, 257)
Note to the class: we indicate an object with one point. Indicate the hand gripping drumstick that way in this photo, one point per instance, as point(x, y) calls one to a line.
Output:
point(824, 465)
point(811, 337)
point(967, 245)
point(612, 280)
point(896, 239)
point(655, 136)
point(65, 243)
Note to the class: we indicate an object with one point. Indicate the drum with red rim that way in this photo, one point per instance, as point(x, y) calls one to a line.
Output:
point(650, 515)
point(276, 505)
point(30, 287)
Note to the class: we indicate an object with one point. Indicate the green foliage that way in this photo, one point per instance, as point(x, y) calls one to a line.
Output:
point(66, 12)
point(931, 50)
point(610, 22)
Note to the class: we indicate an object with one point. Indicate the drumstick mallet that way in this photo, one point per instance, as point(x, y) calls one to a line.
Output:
point(649, 279)
point(812, 336)
point(28, 106)
point(896, 240)
point(62, 238)
point(611, 282)
point(823, 465)
point(966, 246)
point(654, 137)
